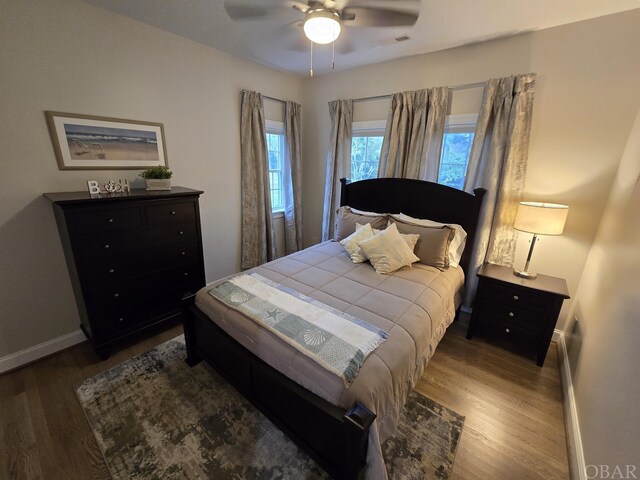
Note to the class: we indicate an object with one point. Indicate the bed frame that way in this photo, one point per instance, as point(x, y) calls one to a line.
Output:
point(334, 437)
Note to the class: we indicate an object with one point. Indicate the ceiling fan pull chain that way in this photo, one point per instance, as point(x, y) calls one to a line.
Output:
point(333, 55)
point(311, 67)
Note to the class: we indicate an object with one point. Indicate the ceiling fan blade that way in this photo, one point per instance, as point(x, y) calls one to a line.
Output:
point(244, 10)
point(377, 17)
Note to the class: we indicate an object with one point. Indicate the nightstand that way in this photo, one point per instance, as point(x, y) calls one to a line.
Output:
point(519, 311)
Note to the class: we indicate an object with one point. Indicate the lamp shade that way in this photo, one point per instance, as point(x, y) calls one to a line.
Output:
point(322, 26)
point(541, 218)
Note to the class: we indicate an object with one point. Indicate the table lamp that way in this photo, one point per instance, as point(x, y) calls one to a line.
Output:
point(540, 219)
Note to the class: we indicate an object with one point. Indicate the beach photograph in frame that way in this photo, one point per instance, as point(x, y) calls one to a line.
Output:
point(86, 142)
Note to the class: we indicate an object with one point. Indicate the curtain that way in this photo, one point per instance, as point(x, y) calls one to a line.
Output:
point(498, 162)
point(258, 240)
point(292, 178)
point(413, 136)
point(338, 161)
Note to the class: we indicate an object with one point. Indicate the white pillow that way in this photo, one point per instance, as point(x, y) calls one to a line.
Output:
point(456, 248)
point(410, 238)
point(388, 251)
point(350, 244)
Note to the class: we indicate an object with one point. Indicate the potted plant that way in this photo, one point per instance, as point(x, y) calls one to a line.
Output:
point(157, 178)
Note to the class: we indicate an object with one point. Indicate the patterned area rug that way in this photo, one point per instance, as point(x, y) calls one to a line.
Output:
point(154, 417)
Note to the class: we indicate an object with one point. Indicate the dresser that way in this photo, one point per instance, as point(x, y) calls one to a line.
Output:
point(131, 258)
point(518, 311)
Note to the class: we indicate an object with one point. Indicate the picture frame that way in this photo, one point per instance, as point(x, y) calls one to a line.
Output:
point(89, 142)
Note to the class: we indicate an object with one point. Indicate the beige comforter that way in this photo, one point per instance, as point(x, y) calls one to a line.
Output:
point(415, 305)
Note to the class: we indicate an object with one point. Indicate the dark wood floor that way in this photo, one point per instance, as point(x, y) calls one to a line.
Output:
point(513, 430)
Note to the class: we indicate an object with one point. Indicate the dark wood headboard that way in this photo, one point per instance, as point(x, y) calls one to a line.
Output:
point(418, 199)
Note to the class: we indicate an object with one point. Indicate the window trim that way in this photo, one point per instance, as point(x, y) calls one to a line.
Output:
point(274, 127)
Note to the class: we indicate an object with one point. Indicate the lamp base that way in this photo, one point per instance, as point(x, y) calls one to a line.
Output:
point(525, 274)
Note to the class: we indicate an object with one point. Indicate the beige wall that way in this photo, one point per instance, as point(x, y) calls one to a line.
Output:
point(586, 98)
point(72, 57)
point(604, 342)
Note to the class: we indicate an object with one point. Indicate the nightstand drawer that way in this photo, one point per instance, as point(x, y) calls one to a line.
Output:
point(491, 311)
point(519, 297)
point(108, 220)
point(511, 333)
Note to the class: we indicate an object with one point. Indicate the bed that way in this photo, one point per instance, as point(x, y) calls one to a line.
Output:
point(335, 425)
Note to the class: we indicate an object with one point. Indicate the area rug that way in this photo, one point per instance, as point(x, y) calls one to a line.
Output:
point(154, 417)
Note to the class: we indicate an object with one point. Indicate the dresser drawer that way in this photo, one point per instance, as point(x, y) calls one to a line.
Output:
point(104, 247)
point(107, 220)
point(107, 270)
point(170, 213)
point(519, 297)
point(491, 311)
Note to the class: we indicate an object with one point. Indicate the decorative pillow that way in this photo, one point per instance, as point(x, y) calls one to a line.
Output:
point(346, 222)
point(411, 239)
point(350, 244)
point(388, 251)
point(433, 246)
point(456, 249)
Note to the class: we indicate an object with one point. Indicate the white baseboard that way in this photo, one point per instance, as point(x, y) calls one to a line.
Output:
point(31, 354)
point(572, 425)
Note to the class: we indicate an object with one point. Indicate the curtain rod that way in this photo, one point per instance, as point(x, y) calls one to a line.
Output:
point(462, 86)
point(273, 99)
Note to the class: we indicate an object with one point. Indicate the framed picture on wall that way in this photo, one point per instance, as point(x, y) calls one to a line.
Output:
point(87, 142)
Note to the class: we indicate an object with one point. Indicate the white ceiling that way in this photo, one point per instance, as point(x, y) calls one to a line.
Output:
point(280, 43)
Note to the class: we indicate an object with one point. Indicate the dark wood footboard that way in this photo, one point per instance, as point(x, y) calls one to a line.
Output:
point(335, 438)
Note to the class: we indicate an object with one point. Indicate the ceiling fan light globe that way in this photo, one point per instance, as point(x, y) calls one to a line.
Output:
point(322, 27)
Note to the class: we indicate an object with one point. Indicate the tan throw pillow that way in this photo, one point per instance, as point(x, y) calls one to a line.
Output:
point(433, 246)
point(346, 222)
point(350, 244)
point(388, 251)
point(411, 239)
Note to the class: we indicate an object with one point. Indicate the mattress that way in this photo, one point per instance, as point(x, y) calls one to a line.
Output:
point(415, 305)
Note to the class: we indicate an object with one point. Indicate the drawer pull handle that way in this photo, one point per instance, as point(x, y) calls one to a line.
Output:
point(186, 274)
point(507, 330)
point(121, 319)
point(172, 212)
point(111, 270)
point(516, 297)
point(106, 245)
point(110, 220)
point(116, 295)
point(180, 232)
point(511, 314)
point(183, 253)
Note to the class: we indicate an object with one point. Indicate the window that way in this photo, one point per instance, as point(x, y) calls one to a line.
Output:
point(456, 148)
point(275, 155)
point(366, 143)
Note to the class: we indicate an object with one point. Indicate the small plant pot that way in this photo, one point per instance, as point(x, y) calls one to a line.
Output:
point(158, 183)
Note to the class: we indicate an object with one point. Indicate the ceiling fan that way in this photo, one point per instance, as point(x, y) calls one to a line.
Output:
point(324, 20)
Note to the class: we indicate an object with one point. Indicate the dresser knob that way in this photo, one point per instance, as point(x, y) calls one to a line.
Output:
point(180, 232)
point(507, 330)
point(183, 253)
point(121, 319)
point(515, 297)
point(110, 220)
point(186, 274)
point(511, 314)
point(111, 270)
point(116, 295)
point(106, 245)
point(172, 212)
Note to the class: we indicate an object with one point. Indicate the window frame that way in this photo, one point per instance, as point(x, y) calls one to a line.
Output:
point(273, 127)
point(366, 128)
point(459, 123)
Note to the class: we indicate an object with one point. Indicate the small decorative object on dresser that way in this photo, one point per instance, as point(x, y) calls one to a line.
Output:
point(131, 257)
point(157, 178)
point(520, 311)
